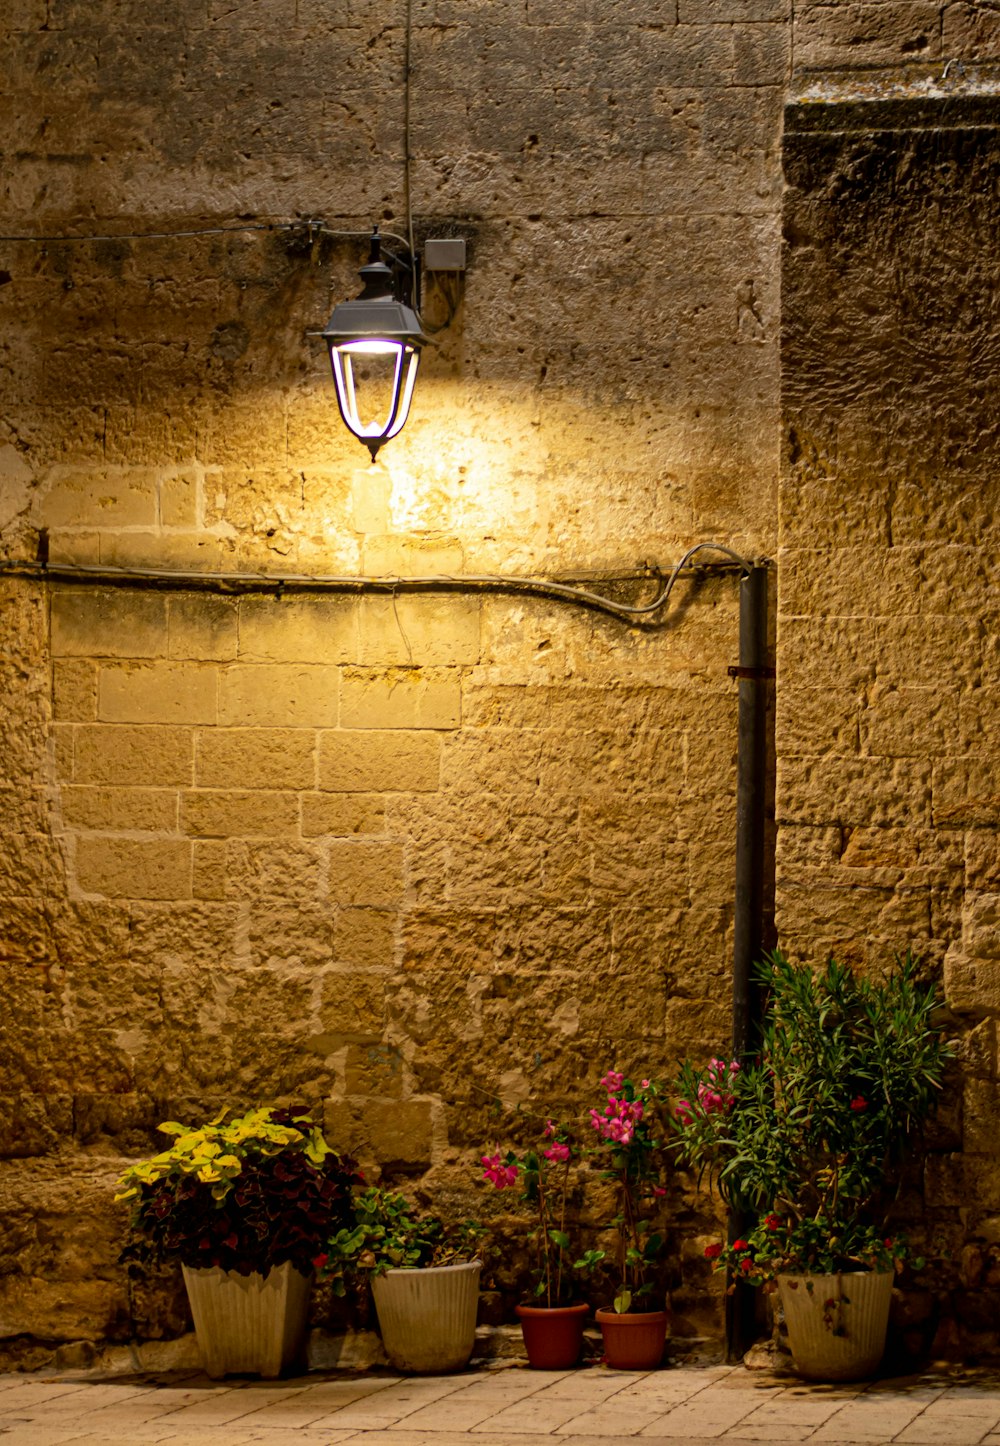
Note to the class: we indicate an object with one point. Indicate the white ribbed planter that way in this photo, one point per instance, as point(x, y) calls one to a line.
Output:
point(836, 1323)
point(428, 1316)
point(248, 1324)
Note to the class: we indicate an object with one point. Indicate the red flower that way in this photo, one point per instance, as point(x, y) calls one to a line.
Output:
point(772, 1222)
point(319, 1261)
point(887, 1244)
point(859, 1103)
point(746, 1265)
point(740, 1245)
point(712, 1252)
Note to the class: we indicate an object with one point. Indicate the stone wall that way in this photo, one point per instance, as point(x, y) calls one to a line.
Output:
point(888, 711)
point(405, 858)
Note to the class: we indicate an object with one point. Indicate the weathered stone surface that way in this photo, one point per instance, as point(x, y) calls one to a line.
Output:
point(409, 856)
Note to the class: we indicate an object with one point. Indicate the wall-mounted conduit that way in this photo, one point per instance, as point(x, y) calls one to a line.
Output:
point(647, 614)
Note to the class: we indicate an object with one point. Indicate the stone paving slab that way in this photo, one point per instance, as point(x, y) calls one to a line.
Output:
point(511, 1406)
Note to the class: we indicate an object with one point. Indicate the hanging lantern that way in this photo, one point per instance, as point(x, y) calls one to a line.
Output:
point(374, 344)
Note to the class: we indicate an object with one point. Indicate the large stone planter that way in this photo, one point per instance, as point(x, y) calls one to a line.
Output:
point(248, 1324)
point(428, 1316)
point(836, 1323)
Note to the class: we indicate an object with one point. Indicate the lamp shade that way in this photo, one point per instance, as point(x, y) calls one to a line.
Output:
point(374, 343)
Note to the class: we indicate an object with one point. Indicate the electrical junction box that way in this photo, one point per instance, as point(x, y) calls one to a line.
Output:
point(444, 254)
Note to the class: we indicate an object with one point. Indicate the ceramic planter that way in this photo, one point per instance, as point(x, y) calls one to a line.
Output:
point(836, 1323)
point(633, 1342)
point(427, 1316)
point(248, 1324)
point(553, 1335)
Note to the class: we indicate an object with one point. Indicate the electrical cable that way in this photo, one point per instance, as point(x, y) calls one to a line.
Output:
point(179, 580)
point(316, 227)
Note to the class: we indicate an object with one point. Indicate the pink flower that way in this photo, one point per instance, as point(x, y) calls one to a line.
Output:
point(613, 1080)
point(557, 1153)
point(498, 1174)
point(683, 1112)
point(549, 1130)
point(644, 1083)
point(659, 1191)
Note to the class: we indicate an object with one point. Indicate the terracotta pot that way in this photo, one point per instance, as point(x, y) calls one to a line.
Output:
point(836, 1323)
point(633, 1342)
point(553, 1335)
point(427, 1316)
point(249, 1324)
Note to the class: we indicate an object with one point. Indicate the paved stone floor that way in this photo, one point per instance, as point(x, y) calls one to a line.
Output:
point(683, 1406)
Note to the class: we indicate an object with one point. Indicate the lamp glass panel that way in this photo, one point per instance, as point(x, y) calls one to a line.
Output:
point(374, 380)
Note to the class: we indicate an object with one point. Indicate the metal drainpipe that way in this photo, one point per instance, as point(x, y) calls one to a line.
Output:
point(753, 672)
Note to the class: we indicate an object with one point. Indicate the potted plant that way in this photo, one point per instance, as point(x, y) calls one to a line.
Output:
point(244, 1205)
point(809, 1138)
point(424, 1277)
point(626, 1128)
point(552, 1321)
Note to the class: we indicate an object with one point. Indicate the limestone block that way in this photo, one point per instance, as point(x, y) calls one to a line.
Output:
point(281, 870)
point(413, 555)
point(283, 934)
point(710, 12)
point(543, 939)
point(969, 30)
point(866, 33)
point(342, 815)
point(401, 699)
point(979, 720)
point(981, 926)
point(872, 791)
point(223, 813)
point(397, 1134)
point(352, 1006)
point(364, 873)
point(179, 498)
point(208, 869)
point(453, 939)
point(126, 868)
point(365, 937)
point(971, 986)
point(94, 624)
point(271, 758)
point(203, 628)
point(120, 809)
point(123, 756)
point(911, 722)
point(61, 1310)
point(761, 54)
point(818, 720)
point(421, 631)
point(158, 692)
point(279, 695)
point(147, 434)
point(34, 1124)
point(375, 1070)
point(980, 1100)
point(74, 691)
point(966, 791)
point(299, 630)
point(172, 551)
point(107, 497)
point(372, 760)
point(982, 860)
